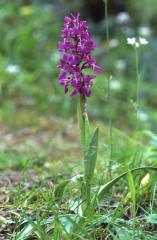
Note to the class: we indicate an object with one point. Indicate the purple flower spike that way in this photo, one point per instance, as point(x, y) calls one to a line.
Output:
point(76, 48)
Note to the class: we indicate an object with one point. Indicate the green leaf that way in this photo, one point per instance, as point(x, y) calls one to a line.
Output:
point(133, 193)
point(32, 227)
point(152, 218)
point(66, 221)
point(60, 190)
point(91, 156)
point(123, 233)
point(97, 220)
point(25, 232)
point(87, 128)
point(38, 230)
point(105, 188)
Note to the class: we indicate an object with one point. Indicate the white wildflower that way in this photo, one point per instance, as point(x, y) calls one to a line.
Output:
point(115, 85)
point(143, 41)
point(12, 68)
point(137, 44)
point(134, 42)
point(120, 65)
point(131, 41)
point(123, 17)
point(145, 31)
point(143, 116)
point(114, 43)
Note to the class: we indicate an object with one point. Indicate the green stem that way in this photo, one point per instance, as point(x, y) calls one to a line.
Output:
point(110, 129)
point(109, 93)
point(83, 105)
point(83, 122)
point(84, 132)
point(137, 87)
point(106, 21)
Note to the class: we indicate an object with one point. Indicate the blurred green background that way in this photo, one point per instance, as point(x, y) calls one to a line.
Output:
point(29, 33)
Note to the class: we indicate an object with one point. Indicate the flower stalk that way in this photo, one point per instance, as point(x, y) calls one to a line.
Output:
point(83, 123)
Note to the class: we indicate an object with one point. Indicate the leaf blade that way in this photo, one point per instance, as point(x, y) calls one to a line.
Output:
point(91, 157)
point(103, 190)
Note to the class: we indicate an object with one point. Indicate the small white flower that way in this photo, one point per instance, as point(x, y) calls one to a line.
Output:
point(145, 31)
point(143, 41)
point(115, 85)
point(12, 68)
point(131, 41)
point(123, 17)
point(134, 42)
point(143, 116)
point(114, 43)
point(137, 44)
point(120, 65)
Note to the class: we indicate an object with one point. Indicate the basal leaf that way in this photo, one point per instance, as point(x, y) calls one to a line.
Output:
point(91, 156)
point(105, 188)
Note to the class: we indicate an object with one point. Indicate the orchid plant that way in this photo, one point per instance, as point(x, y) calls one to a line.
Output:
point(76, 47)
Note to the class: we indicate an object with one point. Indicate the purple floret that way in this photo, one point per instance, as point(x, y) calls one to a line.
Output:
point(76, 49)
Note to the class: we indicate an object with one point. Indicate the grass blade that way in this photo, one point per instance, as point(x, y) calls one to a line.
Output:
point(133, 193)
point(105, 188)
point(60, 190)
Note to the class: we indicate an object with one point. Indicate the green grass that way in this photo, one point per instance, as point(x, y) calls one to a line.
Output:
point(34, 206)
